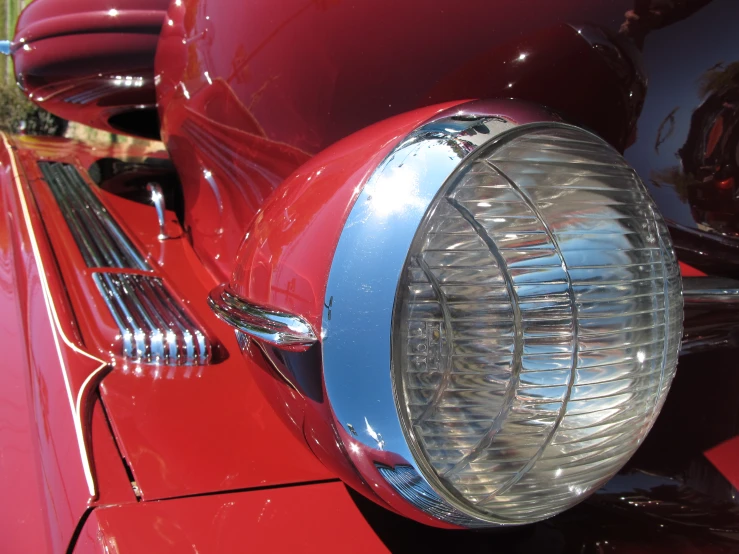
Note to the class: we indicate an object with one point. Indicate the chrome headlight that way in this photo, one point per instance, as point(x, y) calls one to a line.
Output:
point(501, 322)
point(533, 328)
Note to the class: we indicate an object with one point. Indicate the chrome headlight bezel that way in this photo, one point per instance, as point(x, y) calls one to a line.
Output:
point(361, 300)
point(366, 268)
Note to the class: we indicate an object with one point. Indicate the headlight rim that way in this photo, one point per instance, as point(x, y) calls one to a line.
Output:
point(395, 443)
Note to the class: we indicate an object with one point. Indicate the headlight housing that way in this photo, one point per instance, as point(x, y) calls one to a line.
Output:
point(501, 320)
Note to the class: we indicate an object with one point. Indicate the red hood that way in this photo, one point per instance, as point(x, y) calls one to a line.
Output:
point(183, 430)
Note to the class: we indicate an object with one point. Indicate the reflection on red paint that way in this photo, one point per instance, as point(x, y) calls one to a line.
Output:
point(689, 271)
point(726, 184)
point(725, 457)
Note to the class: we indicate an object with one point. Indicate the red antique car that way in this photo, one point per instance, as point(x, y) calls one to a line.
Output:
point(404, 276)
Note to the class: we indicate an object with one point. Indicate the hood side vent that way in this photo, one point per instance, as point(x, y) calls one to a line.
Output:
point(154, 326)
point(100, 239)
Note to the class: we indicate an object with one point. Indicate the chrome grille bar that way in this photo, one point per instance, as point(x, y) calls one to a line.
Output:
point(100, 239)
point(154, 326)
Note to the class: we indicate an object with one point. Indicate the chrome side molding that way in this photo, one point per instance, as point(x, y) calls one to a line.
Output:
point(277, 328)
point(710, 290)
point(153, 324)
point(711, 315)
point(100, 239)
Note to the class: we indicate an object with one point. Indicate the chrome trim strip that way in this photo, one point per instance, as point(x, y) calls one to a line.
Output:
point(100, 239)
point(154, 326)
point(90, 95)
point(87, 93)
point(711, 317)
point(710, 339)
point(699, 291)
point(277, 328)
point(157, 199)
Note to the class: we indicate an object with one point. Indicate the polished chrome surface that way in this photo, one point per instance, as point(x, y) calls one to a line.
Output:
point(157, 199)
point(277, 328)
point(90, 94)
point(709, 338)
point(366, 268)
point(710, 290)
point(711, 315)
point(100, 239)
point(242, 339)
point(411, 486)
point(155, 327)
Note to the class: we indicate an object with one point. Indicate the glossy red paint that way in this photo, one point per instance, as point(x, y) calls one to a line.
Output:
point(92, 60)
point(97, 326)
point(285, 259)
point(233, 439)
point(112, 481)
point(62, 375)
point(34, 26)
point(242, 107)
point(310, 518)
point(198, 430)
point(725, 457)
point(182, 430)
point(326, 517)
point(690, 271)
point(59, 456)
point(23, 523)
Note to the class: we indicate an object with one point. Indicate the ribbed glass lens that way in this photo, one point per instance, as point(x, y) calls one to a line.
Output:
point(537, 325)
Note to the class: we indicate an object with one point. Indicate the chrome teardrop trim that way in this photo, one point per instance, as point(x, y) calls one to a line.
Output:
point(278, 328)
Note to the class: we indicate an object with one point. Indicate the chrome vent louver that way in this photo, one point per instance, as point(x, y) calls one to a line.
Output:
point(100, 239)
point(153, 324)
